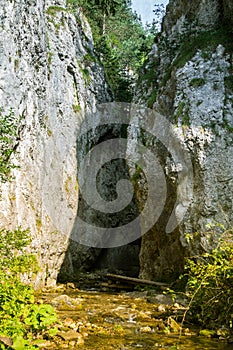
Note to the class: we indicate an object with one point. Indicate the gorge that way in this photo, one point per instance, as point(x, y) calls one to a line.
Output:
point(51, 76)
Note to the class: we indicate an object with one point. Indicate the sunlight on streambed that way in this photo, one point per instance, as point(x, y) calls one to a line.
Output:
point(122, 321)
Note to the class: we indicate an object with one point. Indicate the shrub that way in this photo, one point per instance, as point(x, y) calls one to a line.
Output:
point(19, 315)
point(8, 137)
point(197, 82)
point(210, 284)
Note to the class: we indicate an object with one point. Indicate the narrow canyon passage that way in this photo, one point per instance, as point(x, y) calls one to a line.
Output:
point(116, 186)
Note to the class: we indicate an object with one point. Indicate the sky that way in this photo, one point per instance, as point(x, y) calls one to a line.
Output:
point(145, 8)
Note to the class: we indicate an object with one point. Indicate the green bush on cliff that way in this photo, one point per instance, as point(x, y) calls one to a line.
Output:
point(8, 137)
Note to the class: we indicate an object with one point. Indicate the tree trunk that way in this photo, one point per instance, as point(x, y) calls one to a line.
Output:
point(104, 23)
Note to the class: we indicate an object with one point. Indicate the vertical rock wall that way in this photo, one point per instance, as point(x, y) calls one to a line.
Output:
point(50, 76)
point(188, 79)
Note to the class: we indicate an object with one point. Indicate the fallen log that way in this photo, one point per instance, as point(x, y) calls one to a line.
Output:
point(136, 281)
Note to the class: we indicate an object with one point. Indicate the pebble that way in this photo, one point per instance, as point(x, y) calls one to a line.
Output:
point(44, 344)
point(145, 329)
point(70, 285)
point(176, 305)
point(70, 335)
point(65, 302)
point(161, 308)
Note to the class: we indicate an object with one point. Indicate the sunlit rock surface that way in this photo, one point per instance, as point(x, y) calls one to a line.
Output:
point(188, 79)
point(49, 75)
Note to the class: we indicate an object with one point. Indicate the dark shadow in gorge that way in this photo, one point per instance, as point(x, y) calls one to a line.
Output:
point(123, 259)
point(166, 250)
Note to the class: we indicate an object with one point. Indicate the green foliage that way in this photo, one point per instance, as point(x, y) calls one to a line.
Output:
point(201, 41)
point(22, 344)
point(190, 43)
point(8, 137)
point(197, 82)
point(76, 108)
point(52, 10)
point(85, 73)
point(152, 99)
point(10, 240)
point(182, 113)
point(40, 317)
point(19, 315)
point(120, 40)
point(229, 82)
point(210, 284)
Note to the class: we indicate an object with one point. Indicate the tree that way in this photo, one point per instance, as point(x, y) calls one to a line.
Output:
point(108, 7)
point(120, 40)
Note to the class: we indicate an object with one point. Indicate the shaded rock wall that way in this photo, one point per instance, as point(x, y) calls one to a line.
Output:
point(188, 79)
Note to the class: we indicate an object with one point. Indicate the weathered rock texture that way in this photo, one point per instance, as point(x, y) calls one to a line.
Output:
point(49, 75)
point(188, 79)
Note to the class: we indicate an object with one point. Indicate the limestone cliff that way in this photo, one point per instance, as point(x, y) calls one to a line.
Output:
point(188, 79)
point(50, 76)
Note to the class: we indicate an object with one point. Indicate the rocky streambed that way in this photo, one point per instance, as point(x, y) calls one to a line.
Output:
point(126, 320)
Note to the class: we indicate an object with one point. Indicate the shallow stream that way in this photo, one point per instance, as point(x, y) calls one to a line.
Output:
point(123, 321)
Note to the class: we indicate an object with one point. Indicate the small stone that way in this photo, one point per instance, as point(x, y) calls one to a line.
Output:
point(161, 308)
point(59, 287)
point(71, 324)
point(70, 335)
point(67, 322)
point(176, 305)
point(187, 331)
point(145, 329)
point(80, 341)
point(6, 341)
point(221, 332)
point(74, 326)
point(70, 285)
point(160, 299)
point(44, 344)
point(64, 302)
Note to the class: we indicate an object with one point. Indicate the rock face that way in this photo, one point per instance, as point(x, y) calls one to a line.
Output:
point(188, 79)
point(50, 76)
